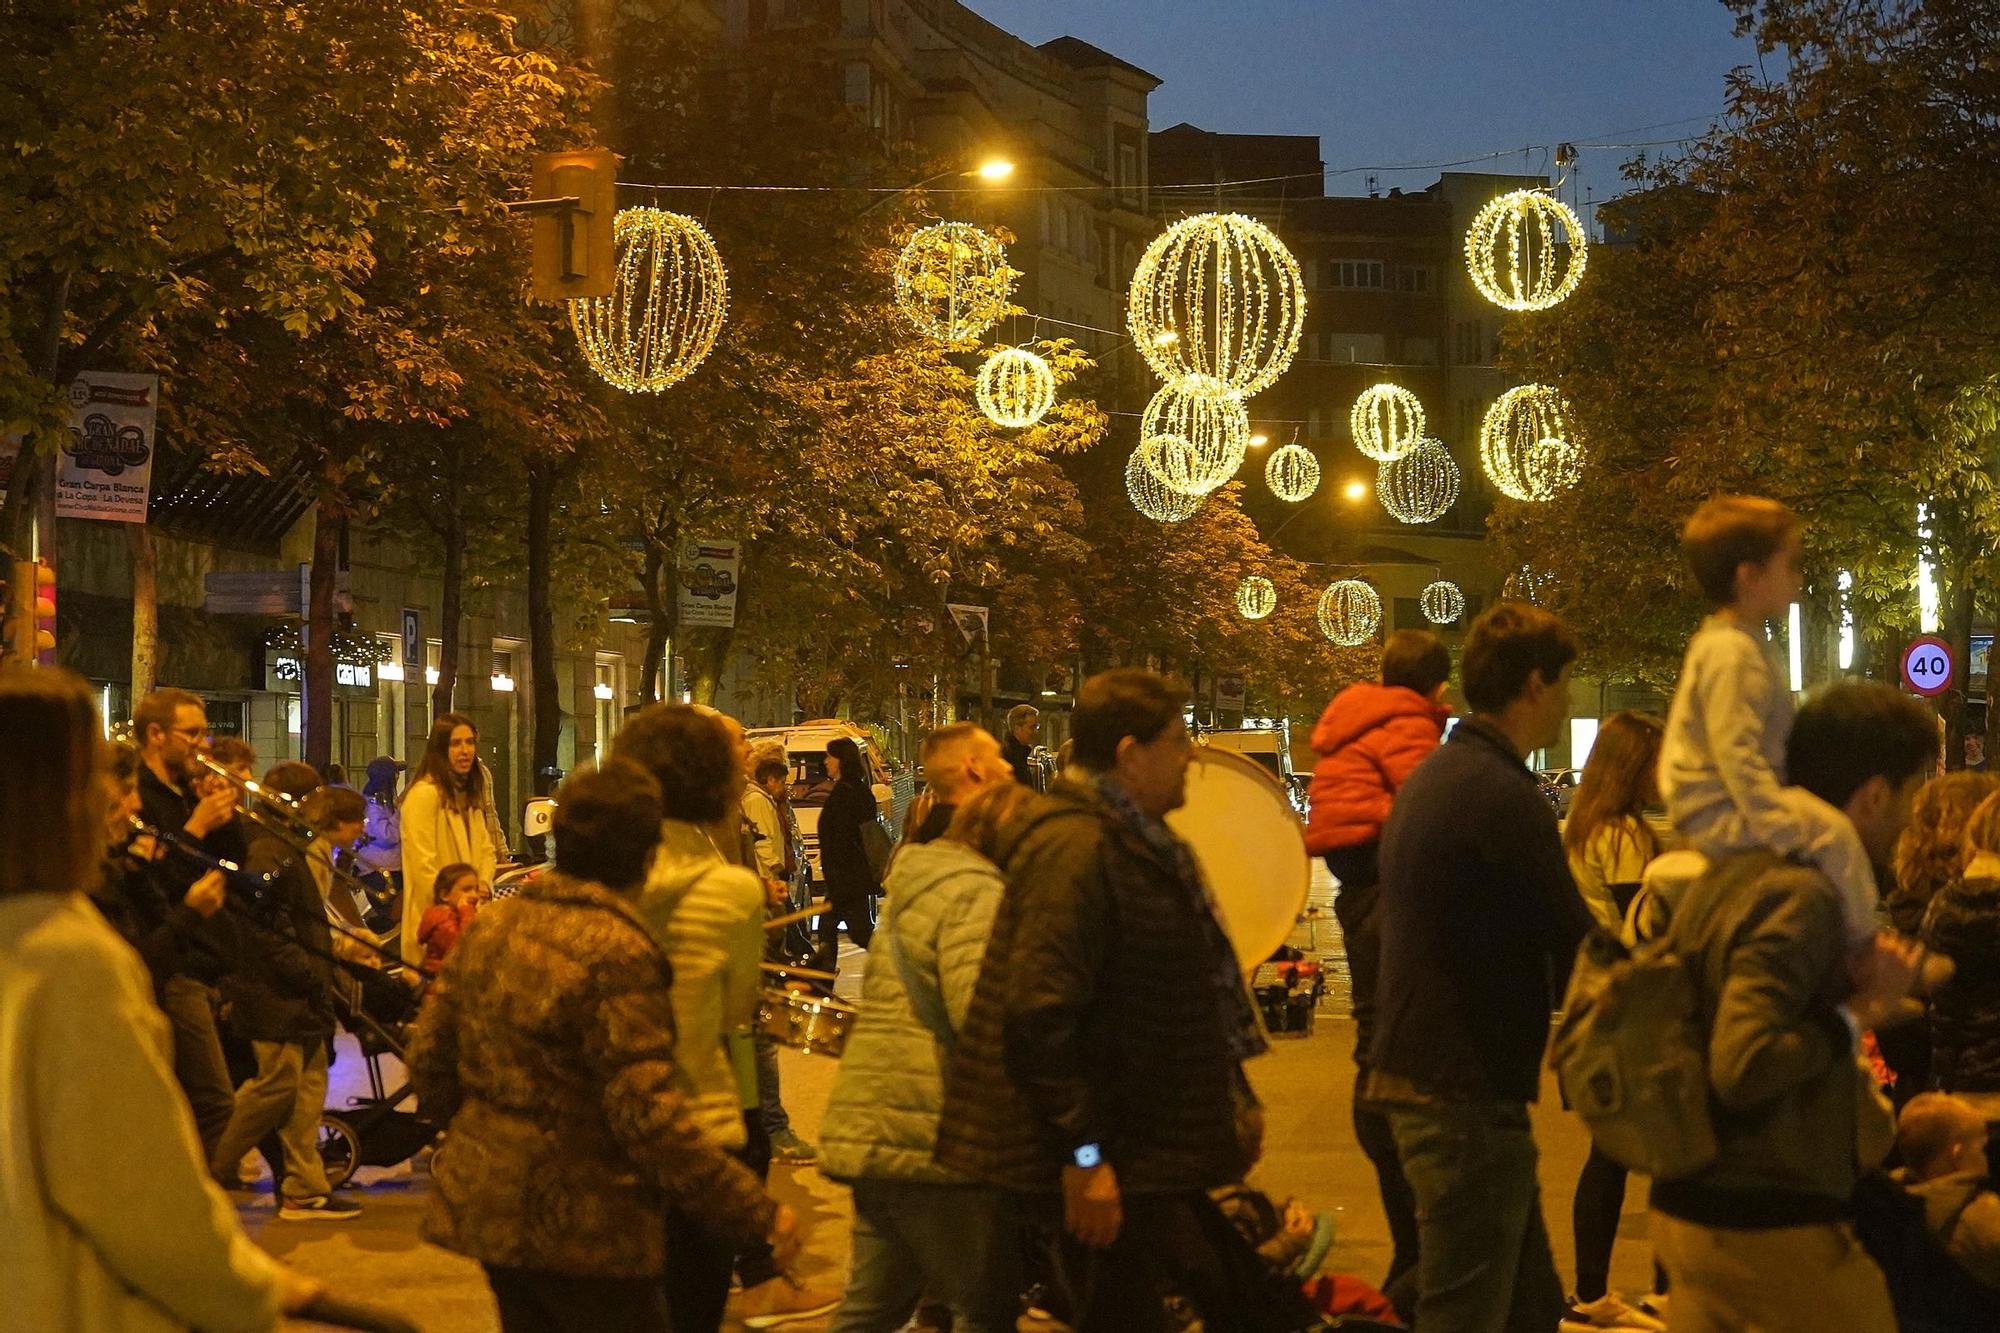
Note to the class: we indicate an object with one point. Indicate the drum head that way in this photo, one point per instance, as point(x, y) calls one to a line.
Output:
point(1251, 848)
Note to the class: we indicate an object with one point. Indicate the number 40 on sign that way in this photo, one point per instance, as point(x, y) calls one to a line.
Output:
point(1927, 666)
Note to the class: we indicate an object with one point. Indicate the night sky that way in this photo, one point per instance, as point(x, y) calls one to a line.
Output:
point(1418, 81)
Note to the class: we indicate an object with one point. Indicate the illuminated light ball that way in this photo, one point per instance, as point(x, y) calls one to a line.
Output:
point(1421, 486)
point(1387, 420)
point(1015, 388)
point(668, 300)
point(1150, 495)
point(1256, 597)
point(1442, 603)
point(1292, 472)
point(1349, 613)
point(1213, 422)
point(1218, 295)
point(952, 281)
point(1516, 259)
point(1527, 444)
point(1527, 584)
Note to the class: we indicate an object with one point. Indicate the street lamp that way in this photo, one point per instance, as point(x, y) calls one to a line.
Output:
point(992, 171)
point(1259, 440)
point(1355, 491)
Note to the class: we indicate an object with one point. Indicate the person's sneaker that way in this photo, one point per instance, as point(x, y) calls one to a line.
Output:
point(1654, 1304)
point(782, 1301)
point(319, 1208)
point(1608, 1311)
point(791, 1150)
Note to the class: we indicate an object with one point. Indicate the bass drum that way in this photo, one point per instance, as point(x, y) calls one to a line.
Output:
point(1251, 848)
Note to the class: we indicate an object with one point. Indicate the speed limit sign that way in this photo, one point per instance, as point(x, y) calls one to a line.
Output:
point(1927, 666)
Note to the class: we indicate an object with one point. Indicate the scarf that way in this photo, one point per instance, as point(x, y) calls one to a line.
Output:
point(1241, 1030)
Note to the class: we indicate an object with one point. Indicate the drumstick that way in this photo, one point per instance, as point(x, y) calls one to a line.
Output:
point(780, 922)
point(786, 969)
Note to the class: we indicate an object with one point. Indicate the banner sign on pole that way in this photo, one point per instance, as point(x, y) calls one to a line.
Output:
point(706, 593)
point(106, 469)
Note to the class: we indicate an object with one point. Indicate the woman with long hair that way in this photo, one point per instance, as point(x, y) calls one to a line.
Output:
point(104, 1231)
point(1607, 837)
point(1609, 843)
point(843, 856)
point(444, 820)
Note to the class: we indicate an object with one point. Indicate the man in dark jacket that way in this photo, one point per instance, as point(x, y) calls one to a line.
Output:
point(1100, 1061)
point(1480, 923)
point(281, 1000)
point(1759, 1238)
point(169, 726)
point(1024, 728)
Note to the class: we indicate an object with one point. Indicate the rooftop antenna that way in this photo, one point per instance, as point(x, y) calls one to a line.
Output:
point(1373, 191)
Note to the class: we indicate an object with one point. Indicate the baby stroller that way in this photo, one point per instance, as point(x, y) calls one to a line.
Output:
point(375, 1130)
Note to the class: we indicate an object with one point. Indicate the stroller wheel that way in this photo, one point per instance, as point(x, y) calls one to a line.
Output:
point(339, 1149)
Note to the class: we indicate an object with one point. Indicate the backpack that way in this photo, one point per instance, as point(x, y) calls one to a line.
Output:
point(877, 846)
point(1632, 1060)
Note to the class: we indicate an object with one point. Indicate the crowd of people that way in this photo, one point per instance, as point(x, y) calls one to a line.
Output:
point(1045, 1090)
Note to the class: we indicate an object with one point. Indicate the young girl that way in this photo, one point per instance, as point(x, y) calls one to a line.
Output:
point(457, 901)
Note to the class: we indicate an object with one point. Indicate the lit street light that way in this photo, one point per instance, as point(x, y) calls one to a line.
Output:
point(1356, 490)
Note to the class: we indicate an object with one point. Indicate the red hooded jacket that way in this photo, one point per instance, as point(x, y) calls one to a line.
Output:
point(1369, 740)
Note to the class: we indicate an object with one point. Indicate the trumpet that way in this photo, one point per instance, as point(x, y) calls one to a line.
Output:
point(250, 883)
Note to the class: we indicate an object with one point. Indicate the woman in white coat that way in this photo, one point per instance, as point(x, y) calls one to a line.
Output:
point(444, 820)
point(100, 1232)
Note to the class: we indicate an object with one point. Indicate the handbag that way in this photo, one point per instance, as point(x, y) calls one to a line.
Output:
point(877, 846)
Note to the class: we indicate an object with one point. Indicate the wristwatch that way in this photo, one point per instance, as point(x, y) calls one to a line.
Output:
point(1088, 1155)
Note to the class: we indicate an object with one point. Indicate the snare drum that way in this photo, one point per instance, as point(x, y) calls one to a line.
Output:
point(815, 1024)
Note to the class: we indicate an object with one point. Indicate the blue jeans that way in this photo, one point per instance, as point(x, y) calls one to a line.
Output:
point(1483, 1264)
point(770, 1102)
point(957, 1245)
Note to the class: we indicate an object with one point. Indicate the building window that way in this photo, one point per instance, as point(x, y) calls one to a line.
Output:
point(608, 699)
point(1128, 170)
point(1361, 273)
point(1364, 348)
point(1414, 278)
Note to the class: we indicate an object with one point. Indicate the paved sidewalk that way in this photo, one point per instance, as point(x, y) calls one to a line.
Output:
point(1305, 1083)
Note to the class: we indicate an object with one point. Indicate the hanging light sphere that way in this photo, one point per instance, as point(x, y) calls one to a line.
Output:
point(1527, 445)
point(1218, 295)
point(1015, 388)
point(952, 281)
point(1442, 603)
point(1256, 597)
point(1421, 486)
point(1386, 421)
point(1515, 257)
point(1150, 495)
point(1349, 613)
point(1211, 420)
point(1292, 472)
point(668, 300)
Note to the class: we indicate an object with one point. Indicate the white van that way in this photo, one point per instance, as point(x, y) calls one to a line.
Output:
point(805, 746)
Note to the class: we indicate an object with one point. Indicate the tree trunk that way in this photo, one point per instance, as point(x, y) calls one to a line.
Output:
point(1957, 631)
point(451, 610)
point(659, 626)
point(707, 650)
point(542, 629)
point(32, 474)
point(316, 677)
point(145, 609)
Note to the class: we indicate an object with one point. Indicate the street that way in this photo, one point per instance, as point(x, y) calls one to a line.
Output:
point(1305, 1083)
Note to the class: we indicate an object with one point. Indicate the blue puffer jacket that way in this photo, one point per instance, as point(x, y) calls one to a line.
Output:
point(881, 1123)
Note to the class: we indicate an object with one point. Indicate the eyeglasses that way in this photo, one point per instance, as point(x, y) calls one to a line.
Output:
point(195, 734)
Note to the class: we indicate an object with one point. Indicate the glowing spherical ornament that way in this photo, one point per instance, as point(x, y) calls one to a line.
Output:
point(1386, 421)
point(1421, 486)
point(1292, 472)
point(952, 281)
point(1150, 495)
point(1218, 295)
point(1515, 257)
point(1256, 597)
point(1015, 388)
point(666, 307)
point(1212, 421)
point(1527, 444)
point(1349, 613)
point(1442, 603)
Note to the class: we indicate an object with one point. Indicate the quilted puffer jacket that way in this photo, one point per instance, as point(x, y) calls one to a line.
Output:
point(1963, 923)
point(1369, 740)
point(548, 1043)
point(882, 1121)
